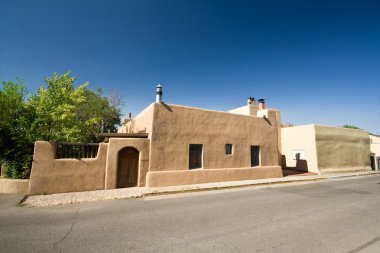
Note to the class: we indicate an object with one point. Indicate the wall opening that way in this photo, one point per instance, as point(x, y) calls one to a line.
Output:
point(255, 156)
point(127, 167)
point(228, 149)
point(195, 156)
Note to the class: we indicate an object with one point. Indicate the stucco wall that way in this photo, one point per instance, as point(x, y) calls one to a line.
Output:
point(14, 185)
point(51, 175)
point(300, 138)
point(141, 123)
point(375, 145)
point(200, 176)
point(342, 148)
point(175, 127)
point(115, 145)
point(375, 149)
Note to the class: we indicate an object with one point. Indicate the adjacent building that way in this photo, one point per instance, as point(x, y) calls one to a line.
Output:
point(375, 151)
point(325, 149)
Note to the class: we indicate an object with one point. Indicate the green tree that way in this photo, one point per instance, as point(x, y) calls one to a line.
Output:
point(66, 113)
point(55, 106)
point(351, 126)
point(57, 112)
point(98, 114)
point(16, 149)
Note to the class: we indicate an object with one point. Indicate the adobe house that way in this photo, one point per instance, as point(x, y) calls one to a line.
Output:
point(169, 145)
point(325, 149)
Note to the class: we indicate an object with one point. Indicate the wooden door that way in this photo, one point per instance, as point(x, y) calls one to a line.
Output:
point(127, 168)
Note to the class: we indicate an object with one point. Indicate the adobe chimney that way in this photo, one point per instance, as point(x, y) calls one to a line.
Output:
point(261, 103)
point(130, 115)
point(251, 101)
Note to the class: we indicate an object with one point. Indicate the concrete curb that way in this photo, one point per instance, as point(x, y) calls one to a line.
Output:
point(225, 185)
point(141, 192)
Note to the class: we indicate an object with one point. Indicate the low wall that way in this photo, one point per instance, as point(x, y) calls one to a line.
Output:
point(14, 185)
point(201, 176)
point(51, 175)
point(342, 149)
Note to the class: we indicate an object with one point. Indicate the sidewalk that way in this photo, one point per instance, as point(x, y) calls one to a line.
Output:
point(140, 192)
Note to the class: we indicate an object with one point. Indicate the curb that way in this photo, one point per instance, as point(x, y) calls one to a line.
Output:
point(189, 190)
point(125, 193)
point(356, 174)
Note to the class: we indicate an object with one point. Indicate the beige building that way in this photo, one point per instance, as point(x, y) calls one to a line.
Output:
point(375, 151)
point(324, 149)
point(169, 145)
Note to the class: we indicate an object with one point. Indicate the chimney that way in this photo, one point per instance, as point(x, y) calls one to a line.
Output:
point(158, 93)
point(251, 101)
point(130, 115)
point(261, 103)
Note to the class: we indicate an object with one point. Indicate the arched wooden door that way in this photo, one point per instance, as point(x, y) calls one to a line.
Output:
point(127, 167)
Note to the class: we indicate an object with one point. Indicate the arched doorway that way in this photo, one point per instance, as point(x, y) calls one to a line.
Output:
point(127, 167)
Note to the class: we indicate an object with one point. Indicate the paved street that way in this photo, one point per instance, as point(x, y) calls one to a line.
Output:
point(330, 216)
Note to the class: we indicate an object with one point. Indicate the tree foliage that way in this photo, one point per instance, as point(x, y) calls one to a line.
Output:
point(351, 126)
point(16, 149)
point(58, 111)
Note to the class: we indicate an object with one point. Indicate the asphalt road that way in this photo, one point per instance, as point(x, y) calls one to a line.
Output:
point(328, 216)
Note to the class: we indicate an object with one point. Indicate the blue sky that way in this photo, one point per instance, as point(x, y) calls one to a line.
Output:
point(318, 61)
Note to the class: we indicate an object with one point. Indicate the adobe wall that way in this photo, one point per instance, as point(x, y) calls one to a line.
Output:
point(299, 138)
point(115, 145)
point(342, 148)
point(186, 177)
point(51, 175)
point(175, 127)
point(279, 136)
point(141, 123)
point(14, 185)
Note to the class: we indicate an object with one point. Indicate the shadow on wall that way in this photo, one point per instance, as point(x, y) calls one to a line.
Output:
point(268, 121)
point(167, 107)
point(301, 165)
point(283, 161)
point(375, 161)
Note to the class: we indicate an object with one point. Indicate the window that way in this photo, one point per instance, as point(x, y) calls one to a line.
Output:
point(228, 149)
point(255, 156)
point(195, 156)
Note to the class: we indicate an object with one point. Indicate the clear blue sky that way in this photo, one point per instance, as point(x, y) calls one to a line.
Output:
point(316, 60)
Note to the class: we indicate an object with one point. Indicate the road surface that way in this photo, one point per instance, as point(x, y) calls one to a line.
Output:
point(330, 216)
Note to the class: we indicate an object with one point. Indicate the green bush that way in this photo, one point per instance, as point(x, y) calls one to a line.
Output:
point(57, 112)
point(18, 169)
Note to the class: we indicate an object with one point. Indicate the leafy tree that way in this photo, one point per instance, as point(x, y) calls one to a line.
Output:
point(351, 126)
point(16, 149)
point(55, 106)
point(66, 113)
point(57, 112)
point(98, 114)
